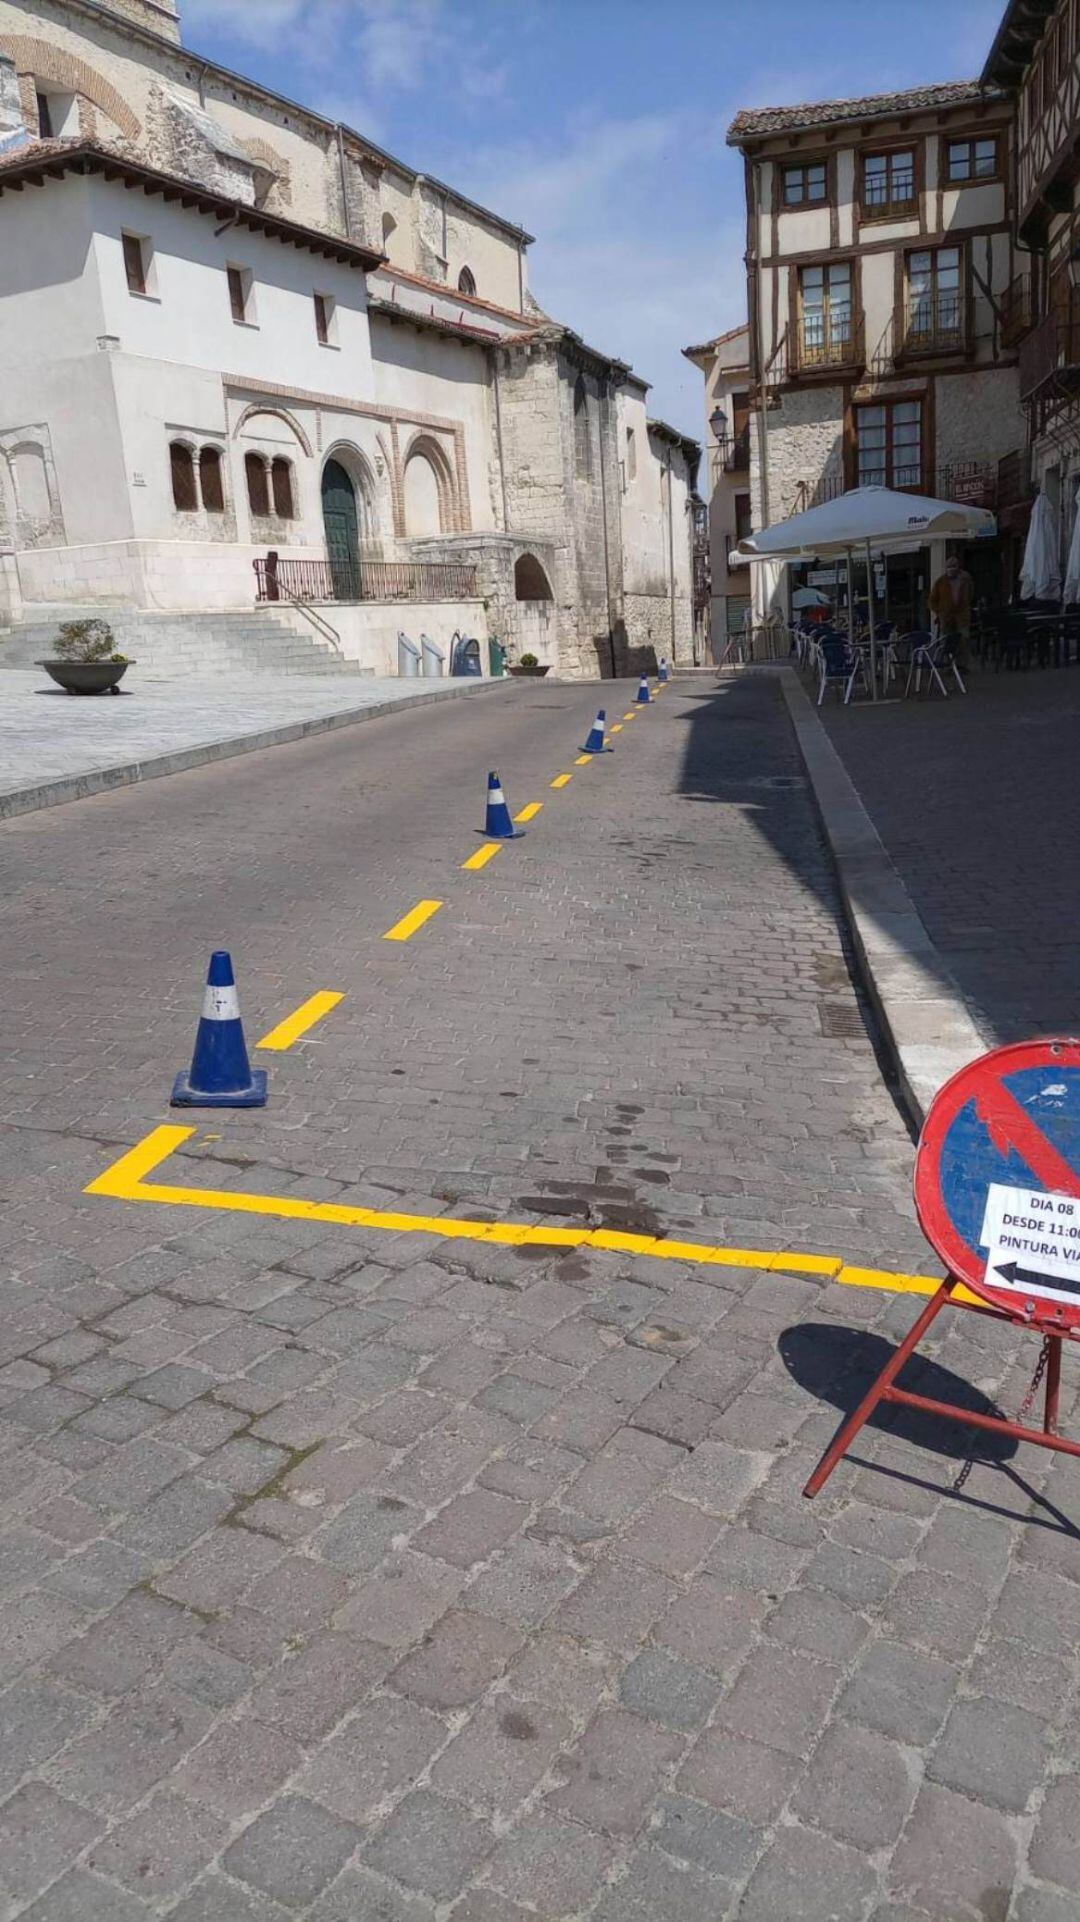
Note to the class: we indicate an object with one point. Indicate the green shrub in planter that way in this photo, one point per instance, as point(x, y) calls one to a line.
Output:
point(528, 660)
point(86, 642)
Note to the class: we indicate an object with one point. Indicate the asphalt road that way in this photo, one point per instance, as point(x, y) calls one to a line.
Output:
point(353, 1571)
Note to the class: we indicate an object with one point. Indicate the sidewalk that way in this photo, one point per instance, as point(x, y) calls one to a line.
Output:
point(976, 802)
point(55, 748)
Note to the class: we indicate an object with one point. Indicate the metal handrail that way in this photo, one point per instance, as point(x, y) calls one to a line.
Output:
point(304, 581)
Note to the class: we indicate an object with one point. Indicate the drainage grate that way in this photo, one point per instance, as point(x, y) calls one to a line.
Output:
point(841, 1020)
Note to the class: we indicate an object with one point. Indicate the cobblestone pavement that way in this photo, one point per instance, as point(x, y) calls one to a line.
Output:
point(380, 1577)
point(976, 802)
point(45, 735)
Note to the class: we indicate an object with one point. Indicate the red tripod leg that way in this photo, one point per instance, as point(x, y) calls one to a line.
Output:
point(839, 1447)
point(1053, 1384)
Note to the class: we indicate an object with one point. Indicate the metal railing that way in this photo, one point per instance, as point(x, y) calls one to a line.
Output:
point(829, 339)
point(827, 487)
point(934, 324)
point(736, 452)
point(294, 580)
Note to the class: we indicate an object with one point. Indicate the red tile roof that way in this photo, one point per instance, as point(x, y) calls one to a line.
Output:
point(755, 121)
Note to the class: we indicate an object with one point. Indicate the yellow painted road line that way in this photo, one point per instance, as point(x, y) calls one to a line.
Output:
point(632, 716)
point(583, 760)
point(404, 929)
point(300, 1020)
point(616, 728)
point(483, 855)
point(853, 1277)
point(530, 812)
point(126, 1180)
point(562, 780)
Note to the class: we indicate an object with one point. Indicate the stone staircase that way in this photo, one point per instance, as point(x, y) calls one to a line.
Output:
point(260, 640)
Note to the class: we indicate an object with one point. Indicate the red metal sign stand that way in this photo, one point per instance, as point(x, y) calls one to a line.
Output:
point(885, 1389)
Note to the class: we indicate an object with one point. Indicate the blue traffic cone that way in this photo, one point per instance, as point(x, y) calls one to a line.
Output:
point(643, 695)
point(663, 674)
point(499, 826)
point(220, 1075)
point(596, 743)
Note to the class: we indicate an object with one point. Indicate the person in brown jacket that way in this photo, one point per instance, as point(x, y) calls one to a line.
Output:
point(951, 599)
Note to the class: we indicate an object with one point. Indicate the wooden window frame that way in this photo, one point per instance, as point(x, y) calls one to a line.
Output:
point(962, 344)
point(134, 251)
point(797, 315)
point(888, 402)
point(214, 464)
point(802, 162)
point(281, 470)
point(186, 467)
point(256, 465)
point(892, 210)
point(968, 138)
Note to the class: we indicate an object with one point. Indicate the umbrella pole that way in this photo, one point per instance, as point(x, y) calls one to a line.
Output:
point(850, 600)
point(870, 616)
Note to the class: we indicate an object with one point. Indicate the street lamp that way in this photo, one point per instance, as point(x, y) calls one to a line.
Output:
point(718, 423)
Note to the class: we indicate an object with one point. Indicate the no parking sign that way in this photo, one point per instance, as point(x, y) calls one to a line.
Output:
point(997, 1178)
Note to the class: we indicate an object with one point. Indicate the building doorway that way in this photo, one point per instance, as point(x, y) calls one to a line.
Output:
point(341, 530)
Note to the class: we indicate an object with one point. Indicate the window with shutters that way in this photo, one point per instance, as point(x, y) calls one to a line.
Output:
point(182, 470)
point(211, 483)
point(281, 484)
point(258, 485)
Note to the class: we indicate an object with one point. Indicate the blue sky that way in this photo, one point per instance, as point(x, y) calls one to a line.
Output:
point(597, 124)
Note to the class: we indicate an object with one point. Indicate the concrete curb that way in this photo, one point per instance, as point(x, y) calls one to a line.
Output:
point(77, 787)
point(928, 1027)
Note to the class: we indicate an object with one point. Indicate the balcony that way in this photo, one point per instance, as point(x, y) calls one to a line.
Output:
point(736, 452)
point(364, 581)
point(828, 487)
point(827, 342)
point(934, 324)
point(1050, 358)
point(1017, 313)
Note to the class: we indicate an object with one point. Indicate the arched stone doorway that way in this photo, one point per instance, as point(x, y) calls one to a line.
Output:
point(535, 607)
point(341, 529)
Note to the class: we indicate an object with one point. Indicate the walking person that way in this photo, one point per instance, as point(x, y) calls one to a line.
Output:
point(951, 600)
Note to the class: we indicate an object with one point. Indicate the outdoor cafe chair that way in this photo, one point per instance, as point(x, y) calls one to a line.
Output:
point(932, 657)
point(835, 665)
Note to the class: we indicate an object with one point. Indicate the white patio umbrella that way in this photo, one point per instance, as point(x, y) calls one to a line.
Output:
point(876, 519)
point(1040, 575)
point(1071, 591)
point(809, 597)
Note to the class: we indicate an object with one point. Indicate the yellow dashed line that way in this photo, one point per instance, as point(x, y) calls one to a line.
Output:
point(483, 855)
point(530, 812)
point(562, 780)
point(300, 1020)
point(583, 760)
point(404, 929)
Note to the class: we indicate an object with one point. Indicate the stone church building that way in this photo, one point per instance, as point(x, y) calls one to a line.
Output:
point(231, 330)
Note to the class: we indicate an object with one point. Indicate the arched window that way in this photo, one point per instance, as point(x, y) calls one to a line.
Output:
point(182, 469)
point(582, 439)
point(210, 480)
point(530, 581)
point(257, 487)
point(389, 226)
point(281, 482)
point(466, 281)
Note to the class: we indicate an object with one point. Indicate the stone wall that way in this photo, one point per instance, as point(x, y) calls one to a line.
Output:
point(978, 415)
point(806, 443)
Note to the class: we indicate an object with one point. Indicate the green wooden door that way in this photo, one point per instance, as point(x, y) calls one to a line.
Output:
point(339, 523)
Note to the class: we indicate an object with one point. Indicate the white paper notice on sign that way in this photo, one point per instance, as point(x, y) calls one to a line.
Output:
point(1034, 1243)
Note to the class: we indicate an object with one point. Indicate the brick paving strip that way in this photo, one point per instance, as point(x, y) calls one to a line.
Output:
point(371, 1577)
point(172, 726)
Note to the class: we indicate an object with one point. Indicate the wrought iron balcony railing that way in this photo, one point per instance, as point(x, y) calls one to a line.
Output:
point(295, 580)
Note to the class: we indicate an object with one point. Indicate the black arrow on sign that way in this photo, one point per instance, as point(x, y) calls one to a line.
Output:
point(1031, 1277)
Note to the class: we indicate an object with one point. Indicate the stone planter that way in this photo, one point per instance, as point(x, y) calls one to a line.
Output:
point(86, 677)
point(529, 673)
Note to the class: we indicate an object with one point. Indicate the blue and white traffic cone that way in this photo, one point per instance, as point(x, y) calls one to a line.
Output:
point(643, 695)
point(499, 826)
point(220, 1075)
point(663, 675)
point(597, 743)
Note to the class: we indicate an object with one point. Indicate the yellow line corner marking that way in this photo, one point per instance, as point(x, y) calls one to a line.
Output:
point(561, 780)
point(126, 1180)
point(530, 812)
point(404, 929)
point(483, 855)
point(301, 1019)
